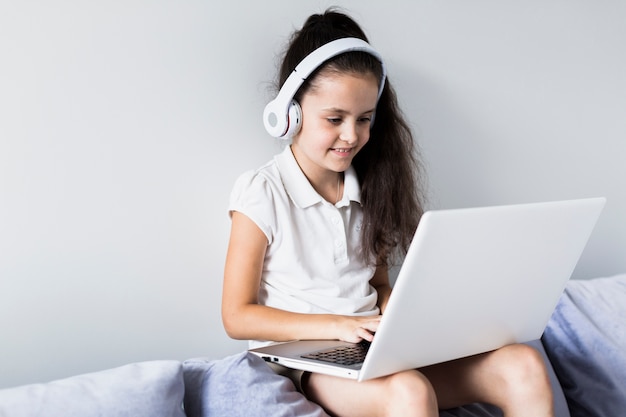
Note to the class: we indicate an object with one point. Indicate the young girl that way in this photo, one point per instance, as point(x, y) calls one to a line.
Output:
point(315, 229)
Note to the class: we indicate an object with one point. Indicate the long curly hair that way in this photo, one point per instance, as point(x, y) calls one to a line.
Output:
point(388, 166)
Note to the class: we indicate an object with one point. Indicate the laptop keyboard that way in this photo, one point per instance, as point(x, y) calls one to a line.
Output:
point(341, 355)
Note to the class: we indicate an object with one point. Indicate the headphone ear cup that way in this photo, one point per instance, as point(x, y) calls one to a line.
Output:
point(294, 120)
point(275, 121)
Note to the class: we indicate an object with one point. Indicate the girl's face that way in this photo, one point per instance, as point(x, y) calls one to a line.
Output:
point(336, 118)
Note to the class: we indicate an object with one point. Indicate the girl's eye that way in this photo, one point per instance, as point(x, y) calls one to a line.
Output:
point(338, 120)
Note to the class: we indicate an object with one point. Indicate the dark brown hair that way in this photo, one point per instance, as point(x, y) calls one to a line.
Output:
point(388, 165)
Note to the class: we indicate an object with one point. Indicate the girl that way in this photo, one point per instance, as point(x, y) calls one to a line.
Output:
point(315, 229)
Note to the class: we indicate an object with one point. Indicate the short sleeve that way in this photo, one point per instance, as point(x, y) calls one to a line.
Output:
point(253, 196)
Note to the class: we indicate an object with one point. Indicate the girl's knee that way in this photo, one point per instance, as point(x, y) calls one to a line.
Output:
point(412, 388)
point(526, 360)
point(524, 366)
point(525, 381)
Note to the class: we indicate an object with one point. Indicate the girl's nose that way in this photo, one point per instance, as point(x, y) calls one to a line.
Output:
point(349, 133)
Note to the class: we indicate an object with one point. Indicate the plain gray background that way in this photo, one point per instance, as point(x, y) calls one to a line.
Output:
point(123, 125)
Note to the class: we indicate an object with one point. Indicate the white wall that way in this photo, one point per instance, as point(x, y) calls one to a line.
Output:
point(123, 125)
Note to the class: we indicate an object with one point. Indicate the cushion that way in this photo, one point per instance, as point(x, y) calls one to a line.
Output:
point(586, 340)
point(242, 385)
point(485, 410)
point(150, 389)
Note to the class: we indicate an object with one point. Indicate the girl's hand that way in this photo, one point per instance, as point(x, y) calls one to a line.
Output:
point(355, 329)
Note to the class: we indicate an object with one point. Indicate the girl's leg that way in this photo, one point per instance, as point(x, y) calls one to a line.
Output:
point(513, 378)
point(403, 394)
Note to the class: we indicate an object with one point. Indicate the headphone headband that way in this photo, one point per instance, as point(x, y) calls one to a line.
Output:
point(276, 114)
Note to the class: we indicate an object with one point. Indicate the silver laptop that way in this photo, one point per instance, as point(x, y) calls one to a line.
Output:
point(473, 280)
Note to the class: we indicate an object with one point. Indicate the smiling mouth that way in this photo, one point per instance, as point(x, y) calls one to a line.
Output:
point(341, 150)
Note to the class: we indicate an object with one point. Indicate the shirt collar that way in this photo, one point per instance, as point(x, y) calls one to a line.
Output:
point(300, 189)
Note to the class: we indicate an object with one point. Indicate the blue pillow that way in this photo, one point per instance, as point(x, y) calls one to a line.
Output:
point(242, 385)
point(152, 389)
point(586, 343)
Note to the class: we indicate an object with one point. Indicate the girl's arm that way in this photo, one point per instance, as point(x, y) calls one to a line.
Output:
point(244, 318)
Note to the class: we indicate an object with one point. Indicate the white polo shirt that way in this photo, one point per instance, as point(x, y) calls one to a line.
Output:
point(313, 262)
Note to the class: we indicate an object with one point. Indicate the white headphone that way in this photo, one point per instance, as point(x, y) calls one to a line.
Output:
point(282, 116)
